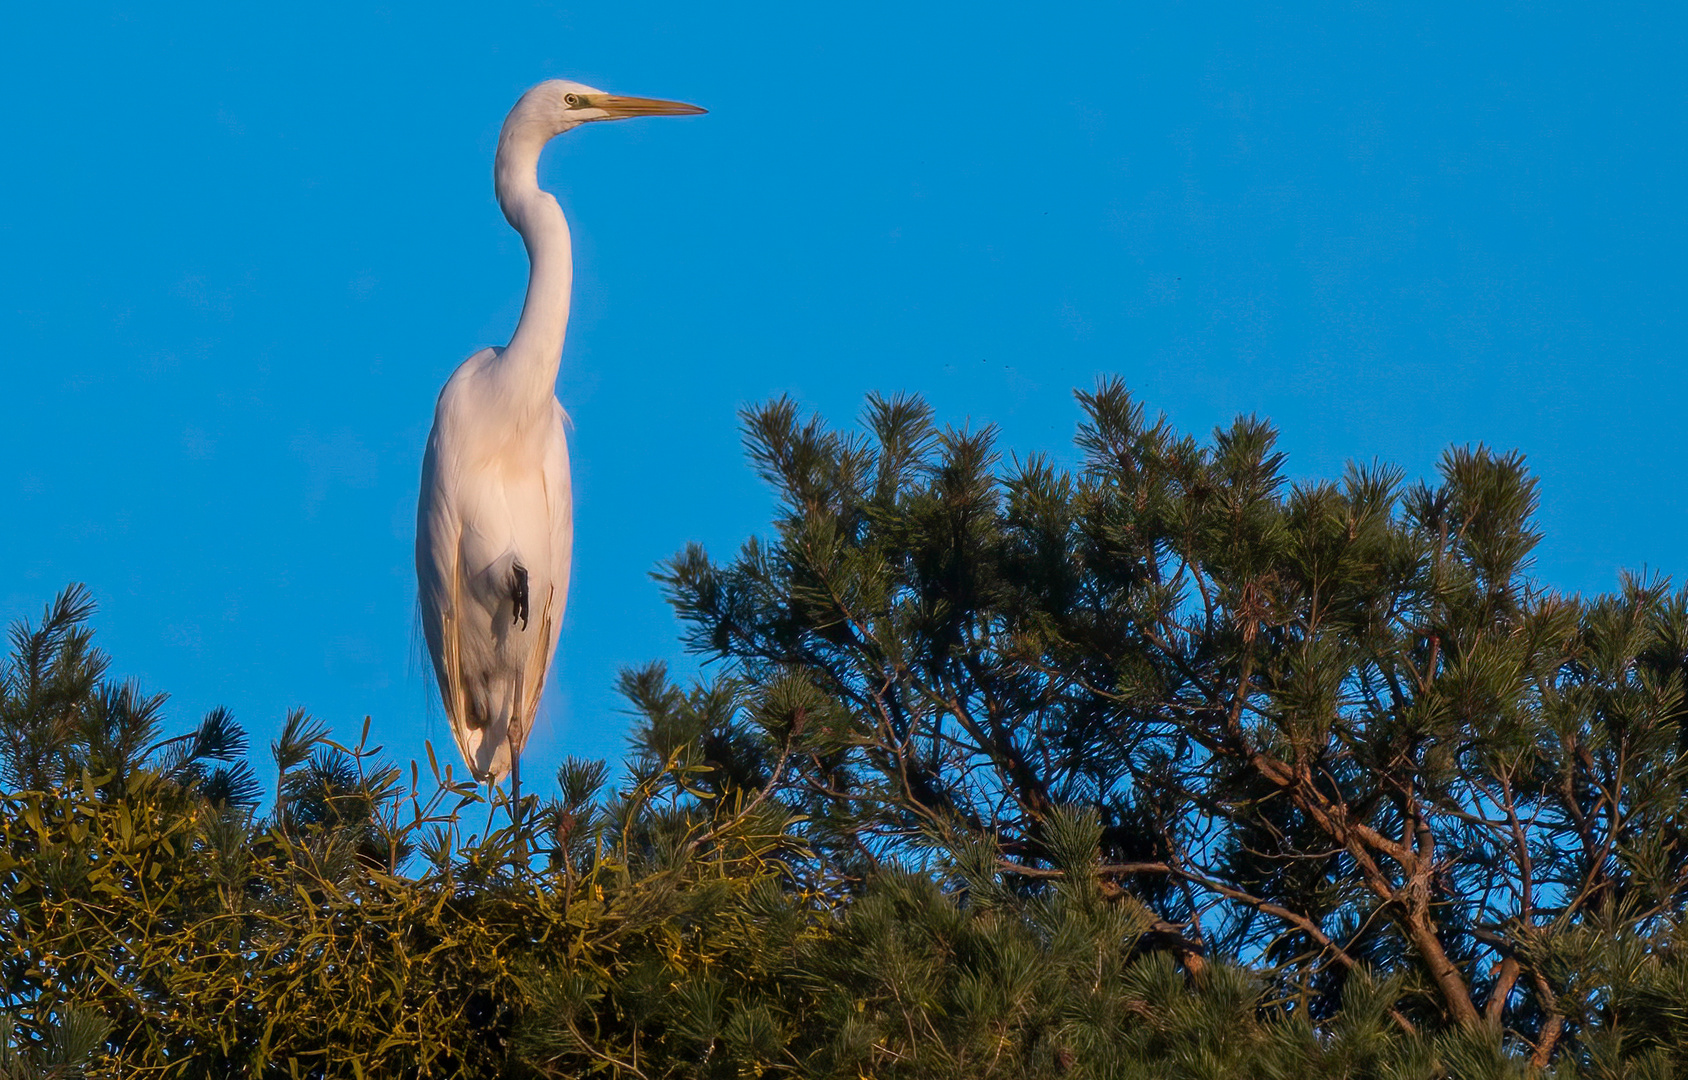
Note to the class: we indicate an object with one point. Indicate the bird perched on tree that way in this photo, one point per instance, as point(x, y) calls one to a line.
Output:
point(495, 520)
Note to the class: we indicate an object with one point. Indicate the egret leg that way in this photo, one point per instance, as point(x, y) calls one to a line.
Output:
point(516, 809)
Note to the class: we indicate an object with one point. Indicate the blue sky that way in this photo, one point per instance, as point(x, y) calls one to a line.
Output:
point(241, 247)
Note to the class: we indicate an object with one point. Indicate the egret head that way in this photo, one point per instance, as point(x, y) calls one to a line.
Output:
point(543, 113)
point(558, 105)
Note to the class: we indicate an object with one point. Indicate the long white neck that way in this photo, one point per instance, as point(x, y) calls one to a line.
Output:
point(535, 351)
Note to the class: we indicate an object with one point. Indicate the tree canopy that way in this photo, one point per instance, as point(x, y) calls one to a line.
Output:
point(1156, 766)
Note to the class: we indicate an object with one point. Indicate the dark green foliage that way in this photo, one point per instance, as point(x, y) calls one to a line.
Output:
point(1158, 767)
point(1325, 727)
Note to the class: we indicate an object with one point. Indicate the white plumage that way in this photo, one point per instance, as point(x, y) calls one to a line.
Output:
point(495, 519)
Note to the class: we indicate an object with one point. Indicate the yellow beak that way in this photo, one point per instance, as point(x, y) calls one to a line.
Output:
point(625, 108)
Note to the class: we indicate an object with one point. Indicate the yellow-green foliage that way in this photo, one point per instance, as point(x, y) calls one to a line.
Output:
point(218, 944)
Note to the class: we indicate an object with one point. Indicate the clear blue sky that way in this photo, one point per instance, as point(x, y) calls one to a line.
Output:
point(241, 247)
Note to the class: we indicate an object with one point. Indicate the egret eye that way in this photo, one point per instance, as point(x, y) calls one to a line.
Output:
point(571, 100)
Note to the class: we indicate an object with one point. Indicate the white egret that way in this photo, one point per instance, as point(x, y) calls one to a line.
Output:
point(495, 520)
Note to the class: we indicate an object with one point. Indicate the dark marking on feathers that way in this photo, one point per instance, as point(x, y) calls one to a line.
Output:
point(519, 594)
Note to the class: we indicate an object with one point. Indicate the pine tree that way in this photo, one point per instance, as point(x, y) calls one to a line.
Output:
point(1161, 766)
point(1327, 727)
